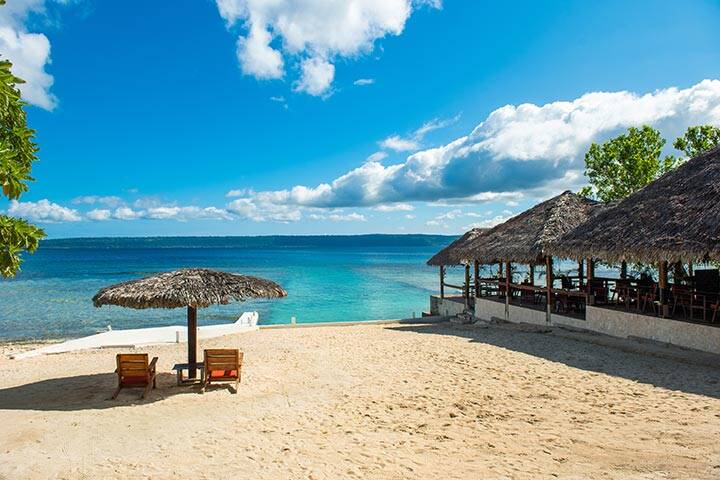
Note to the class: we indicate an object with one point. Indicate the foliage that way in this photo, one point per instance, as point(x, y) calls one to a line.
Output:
point(625, 164)
point(17, 154)
point(698, 139)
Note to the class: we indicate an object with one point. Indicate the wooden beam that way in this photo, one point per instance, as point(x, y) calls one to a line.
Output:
point(500, 270)
point(623, 269)
point(549, 278)
point(192, 341)
point(442, 281)
point(477, 278)
point(662, 285)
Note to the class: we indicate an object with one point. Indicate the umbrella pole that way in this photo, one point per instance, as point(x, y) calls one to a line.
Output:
point(192, 341)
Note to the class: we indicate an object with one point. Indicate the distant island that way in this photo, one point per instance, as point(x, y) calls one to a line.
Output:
point(262, 241)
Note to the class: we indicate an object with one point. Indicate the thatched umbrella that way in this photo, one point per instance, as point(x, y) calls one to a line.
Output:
point(192, 288)
point(676, 217)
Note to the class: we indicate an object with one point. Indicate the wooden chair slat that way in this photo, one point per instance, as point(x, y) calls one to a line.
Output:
point(222, 365)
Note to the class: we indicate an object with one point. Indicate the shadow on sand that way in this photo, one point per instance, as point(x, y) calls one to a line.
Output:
point(85, 392)
point(620, 358)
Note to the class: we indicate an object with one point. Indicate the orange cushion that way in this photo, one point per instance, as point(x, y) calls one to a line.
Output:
point(223, 373)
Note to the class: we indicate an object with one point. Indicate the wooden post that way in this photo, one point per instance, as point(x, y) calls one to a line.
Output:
point(691, 280)
point(442, 281)
point(500, 270)
point(590, 274)
point(581, 274)
point(192, 341)
point(467, 286)
point(532, 274)
point(623, 269)
point(549, 278)
point(508, 274)
point(477, 279)
point(662, 281)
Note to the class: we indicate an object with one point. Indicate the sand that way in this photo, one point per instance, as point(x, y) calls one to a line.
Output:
point(374, 402)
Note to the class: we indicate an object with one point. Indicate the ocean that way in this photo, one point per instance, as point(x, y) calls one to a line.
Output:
point(328, 279)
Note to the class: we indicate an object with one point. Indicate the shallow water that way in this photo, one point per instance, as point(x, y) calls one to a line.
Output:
point(328, 279)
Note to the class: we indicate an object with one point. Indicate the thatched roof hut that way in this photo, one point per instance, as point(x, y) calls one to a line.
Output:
point(192, 287)
point(525, 237)
point(675, 218)
point(453, 253)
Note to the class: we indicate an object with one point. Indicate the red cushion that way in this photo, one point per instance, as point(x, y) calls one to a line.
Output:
point(223, 373)
point(134, 380)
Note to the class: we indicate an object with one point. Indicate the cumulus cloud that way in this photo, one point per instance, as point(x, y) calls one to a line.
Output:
point(99, 214)
point(126, 213)
point(317, 76)
point(312, 33)
point(517, 148)
point(262, 211)
point(29, 52)
point(43, 211)
point(377, 157)
point(364, 81)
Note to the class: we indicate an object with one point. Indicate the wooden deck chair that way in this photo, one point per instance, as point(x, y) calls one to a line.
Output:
point(222, 365)
point(133, 371)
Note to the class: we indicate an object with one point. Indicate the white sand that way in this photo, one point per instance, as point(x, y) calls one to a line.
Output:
point(385, 402)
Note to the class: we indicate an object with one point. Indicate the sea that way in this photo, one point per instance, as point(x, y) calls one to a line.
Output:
point(328, 279)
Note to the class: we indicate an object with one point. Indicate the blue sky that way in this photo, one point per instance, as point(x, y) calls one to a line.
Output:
point(253, 117)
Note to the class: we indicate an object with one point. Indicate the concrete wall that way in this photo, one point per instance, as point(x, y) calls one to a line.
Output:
point(450, 306)
point(489, 310)
point(620, 323)
point(520, 314)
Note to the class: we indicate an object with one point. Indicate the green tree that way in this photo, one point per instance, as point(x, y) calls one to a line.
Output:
point(625, 164)
point(698, 139)
point(17, 154)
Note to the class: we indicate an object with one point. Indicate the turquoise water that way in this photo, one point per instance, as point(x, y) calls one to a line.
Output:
point(328, 279)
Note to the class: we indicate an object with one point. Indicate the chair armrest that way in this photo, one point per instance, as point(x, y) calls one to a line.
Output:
point(152, 364)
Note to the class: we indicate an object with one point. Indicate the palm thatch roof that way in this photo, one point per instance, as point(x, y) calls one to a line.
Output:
point(192, 287)
point(452, 254)
point(675, 218)
point(525, 237)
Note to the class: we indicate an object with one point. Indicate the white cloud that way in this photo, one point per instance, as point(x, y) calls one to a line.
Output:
point(490, 222)
point(377, 157)
point(184, 214)
point(399, 144)
point(313, 32)
point(414, 141)
point(259, 211)
point(317, 76)
point(43, 211)
point(126, 213)
point(364, 81)
point(99, 214)
point(518, 150)
point(109, 201)
point(240, 192)
point(395, 207)
point(338, 217)
point(410, 216)
point(256, 55)
point(29, 52)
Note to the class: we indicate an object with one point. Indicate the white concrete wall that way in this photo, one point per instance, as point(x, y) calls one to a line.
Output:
point(489, 310)
point(518, 314)
point(619, 323)
point(447, 307)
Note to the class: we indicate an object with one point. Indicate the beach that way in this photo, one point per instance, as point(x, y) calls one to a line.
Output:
point(371, 401)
